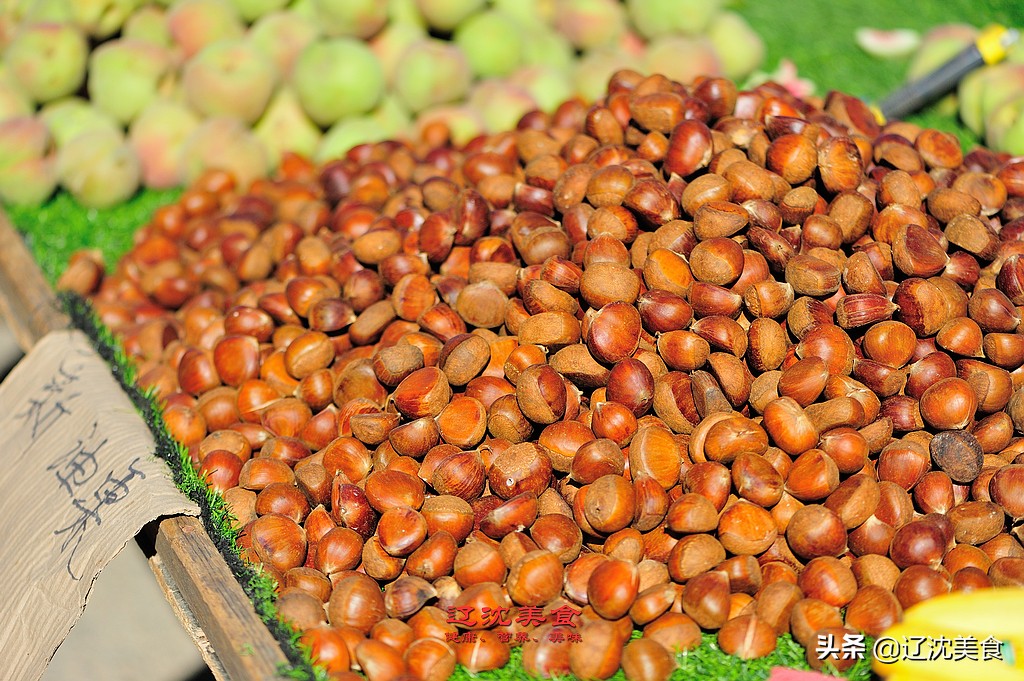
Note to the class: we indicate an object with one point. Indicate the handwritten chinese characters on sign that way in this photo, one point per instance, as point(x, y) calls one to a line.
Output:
point(80, 480)
point(111, 490)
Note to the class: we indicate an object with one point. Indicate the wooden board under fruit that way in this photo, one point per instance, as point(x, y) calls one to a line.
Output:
point(200, 588)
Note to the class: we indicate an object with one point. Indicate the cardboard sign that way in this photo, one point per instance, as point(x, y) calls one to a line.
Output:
point(78, 480)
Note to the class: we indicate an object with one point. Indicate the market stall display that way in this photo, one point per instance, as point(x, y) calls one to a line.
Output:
point(684, 377)
point(662, 349)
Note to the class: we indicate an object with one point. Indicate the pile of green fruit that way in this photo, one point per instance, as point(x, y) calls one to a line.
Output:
point(990, 100)
point(102, 96)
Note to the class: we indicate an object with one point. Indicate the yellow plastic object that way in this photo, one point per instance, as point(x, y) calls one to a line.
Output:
point(993, 43)
point(971, 635)
point(990, 47)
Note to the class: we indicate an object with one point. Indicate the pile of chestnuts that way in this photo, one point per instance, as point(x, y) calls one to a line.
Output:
point(689, 359)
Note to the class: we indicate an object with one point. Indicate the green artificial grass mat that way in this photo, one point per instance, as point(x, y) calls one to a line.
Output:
point(817, 35)
point(707, 663)
point(62, 226)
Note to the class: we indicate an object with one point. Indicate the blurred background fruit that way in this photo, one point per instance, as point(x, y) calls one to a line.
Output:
point(318, 76)
point(28, 171)
point(47, 60)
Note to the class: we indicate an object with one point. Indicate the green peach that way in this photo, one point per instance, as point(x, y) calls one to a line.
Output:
point(194, 24)
point(463, 122)
point(938, 46)
point(1006, 83)
point(16, 13)
point(445, 15)
point(433, 72)
point(1013, 137)
point(148, 24)
point(251, 10)
point(70, 117)
point(405, 12)
point(548, 86)
point(500, 104)
point(392, 116)
point(286, 127)
point(7, 29)
point(1015, 55)
point(48, 60)
point(387, 121)
point(13, 102)
point(157, 135)
point(590, 24)
point(224, 142)
point(102, 18)
point(983, 90)
point(28, 173)
point(544, 46)
point(531, 14)
point(1013, 142)
point(593, 70)
point(653, 18)
point(630, 42)
point(44, 11)
point(99, 168)
point(230, 78)
point(172, 89)
point(390, 44)
point(18, 9)
point(351, 18)
point(968, 94)
point(491, 48)
point(337, 77)
point(1004, 126)
point(283, 36)
point(29, 182)
point(947, 106)
point(738, 46)
point(23, 138)
point(304, 8)
point(8, 78)
point(125, 74)
point(682, 59)
point(346, 134)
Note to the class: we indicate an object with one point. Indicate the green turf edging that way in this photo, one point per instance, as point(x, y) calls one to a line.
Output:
point(62, 226)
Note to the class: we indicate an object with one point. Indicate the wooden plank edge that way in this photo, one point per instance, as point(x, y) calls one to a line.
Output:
point(26, 301)
point(186, 618)
point(243, 643)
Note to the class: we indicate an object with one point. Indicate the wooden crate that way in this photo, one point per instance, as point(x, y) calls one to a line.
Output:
point(200, 588)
